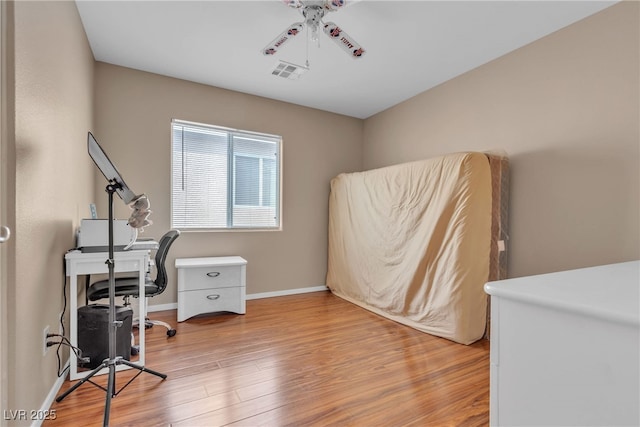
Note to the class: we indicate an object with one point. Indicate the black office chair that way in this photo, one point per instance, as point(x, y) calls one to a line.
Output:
point(129, 286)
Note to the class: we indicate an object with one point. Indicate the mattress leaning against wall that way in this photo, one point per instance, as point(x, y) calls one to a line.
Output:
point(413, 242)
point(499, 163)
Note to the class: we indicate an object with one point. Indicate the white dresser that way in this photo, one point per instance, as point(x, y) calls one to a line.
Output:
point(565, 348)
point(207, 285)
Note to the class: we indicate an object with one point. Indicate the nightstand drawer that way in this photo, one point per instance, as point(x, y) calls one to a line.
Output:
point(191, 303)
point(209, 277)
point(211, 284)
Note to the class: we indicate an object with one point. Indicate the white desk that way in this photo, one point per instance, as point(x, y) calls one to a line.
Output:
point(565, 348)
point(79, 263)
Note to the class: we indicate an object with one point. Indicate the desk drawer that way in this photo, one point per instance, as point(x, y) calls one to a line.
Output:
point(191, 303)
point(209, 277)
point(101, 267)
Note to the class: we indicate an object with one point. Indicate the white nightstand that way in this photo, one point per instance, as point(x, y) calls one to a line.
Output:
point(207, 285)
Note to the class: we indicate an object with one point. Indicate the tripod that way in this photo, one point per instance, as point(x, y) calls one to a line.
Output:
point(114, 324)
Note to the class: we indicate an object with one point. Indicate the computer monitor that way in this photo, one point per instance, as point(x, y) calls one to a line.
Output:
point(109, 170)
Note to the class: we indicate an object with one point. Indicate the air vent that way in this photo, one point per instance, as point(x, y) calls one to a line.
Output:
point(289, 71)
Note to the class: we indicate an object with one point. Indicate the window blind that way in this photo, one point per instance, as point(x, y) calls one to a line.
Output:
point(224, 178)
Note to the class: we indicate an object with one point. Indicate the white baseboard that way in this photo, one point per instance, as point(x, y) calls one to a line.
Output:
point(174, 305)
point(287, 292)
point(48, 401)
point(162, 307)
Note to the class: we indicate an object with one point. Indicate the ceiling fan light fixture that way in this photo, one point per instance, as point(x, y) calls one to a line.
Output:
point(289, 71)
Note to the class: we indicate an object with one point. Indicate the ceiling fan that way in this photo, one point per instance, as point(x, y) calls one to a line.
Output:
point(313, 12)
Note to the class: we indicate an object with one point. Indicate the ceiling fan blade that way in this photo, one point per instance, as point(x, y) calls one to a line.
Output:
point(333, 5)
point(284, 37)
point(292, 3)
point(342, 39)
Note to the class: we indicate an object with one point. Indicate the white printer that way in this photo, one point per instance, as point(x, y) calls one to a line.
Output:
point(93, 235)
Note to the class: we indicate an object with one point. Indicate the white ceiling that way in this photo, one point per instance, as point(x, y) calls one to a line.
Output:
point(411, 45)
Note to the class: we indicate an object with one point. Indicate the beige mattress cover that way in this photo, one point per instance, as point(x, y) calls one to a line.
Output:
point(412, 242)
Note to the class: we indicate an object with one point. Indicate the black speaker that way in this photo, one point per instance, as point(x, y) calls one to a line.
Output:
point(93, 333)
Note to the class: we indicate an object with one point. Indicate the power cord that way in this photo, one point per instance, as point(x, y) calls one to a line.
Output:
point(64, 298)
point(65, 341)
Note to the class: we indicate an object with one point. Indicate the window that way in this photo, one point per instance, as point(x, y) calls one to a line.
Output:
point(224, 178)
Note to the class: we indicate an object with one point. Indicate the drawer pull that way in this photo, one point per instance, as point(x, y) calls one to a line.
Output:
point(213, 297)
point(213, 274)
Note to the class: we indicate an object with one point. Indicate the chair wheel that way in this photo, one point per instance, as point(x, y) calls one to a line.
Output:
point(134, 350)
point(171, 332)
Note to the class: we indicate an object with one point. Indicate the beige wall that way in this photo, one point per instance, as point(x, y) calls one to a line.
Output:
point(53, 181)
point(565, 109)
point(133, 115)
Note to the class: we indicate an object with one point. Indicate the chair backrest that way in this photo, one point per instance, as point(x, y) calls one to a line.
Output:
point(161, 256)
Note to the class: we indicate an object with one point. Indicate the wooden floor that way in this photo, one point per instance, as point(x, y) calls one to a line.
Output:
point(303, 360)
